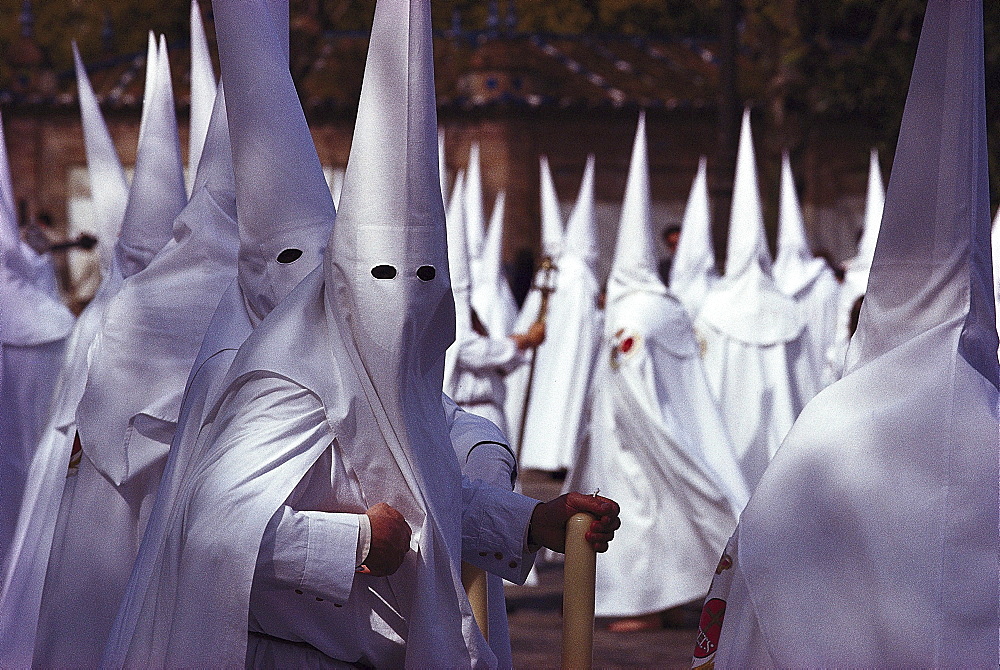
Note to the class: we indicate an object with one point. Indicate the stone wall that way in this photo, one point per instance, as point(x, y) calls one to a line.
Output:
point(46, 147)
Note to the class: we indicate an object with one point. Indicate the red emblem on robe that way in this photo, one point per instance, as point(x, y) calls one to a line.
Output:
point(624, 344)
point(710, 628)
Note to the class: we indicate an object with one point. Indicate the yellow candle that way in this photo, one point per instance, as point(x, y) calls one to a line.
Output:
point(578, 595)
point(474, 581)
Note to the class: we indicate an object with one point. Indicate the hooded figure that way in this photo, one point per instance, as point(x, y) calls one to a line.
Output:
point(478, 365)
point(355, 387)
point(552, 223)
point(810, 281)
point(35, 268)
point(564, 363)
point(156, 195)
point(461, 284)
point(657, 440)
point(878, 516)
point(552, 239)
point(274, 161)
point(751, 331)
point(693, 271)
point(857, 270)
point(25, 563)
point(491, 295)
point(139, 363)
point(473, 379)
point(33, 330)
point(34, 325)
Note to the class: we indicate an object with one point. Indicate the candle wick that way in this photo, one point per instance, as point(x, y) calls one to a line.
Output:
point(596, 492)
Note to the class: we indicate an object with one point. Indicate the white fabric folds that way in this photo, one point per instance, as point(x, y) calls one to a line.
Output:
point(657, 443)
point(872, 538)
point(751, 330)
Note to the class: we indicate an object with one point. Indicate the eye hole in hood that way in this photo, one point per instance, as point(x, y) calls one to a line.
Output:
point(289, 256)
point(426, 272)
point(384, 272)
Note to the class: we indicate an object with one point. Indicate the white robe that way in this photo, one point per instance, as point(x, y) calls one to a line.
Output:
point(27, 377)
point(828, 532)
point(564, 364)
point(25, 563)
point(659, 447)
point(752, 337)
point(476, 443)
point(171, 627)
point(152, 330)
point(818, 300)
point(871, 540)
point(33, 330)
point(478, 382)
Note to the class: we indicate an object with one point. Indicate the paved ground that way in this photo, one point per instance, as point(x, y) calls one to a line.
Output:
point(536, 623)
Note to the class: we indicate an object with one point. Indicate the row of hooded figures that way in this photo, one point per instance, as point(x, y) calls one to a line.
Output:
point(248, 457)
point(704, 378)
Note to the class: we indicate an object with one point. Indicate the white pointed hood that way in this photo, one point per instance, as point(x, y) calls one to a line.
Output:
point(29, 315)
point(693, 270)
point(933, 258)
point(154, 326)
point(215, 173)
point(149, 85)
point(635, 262)
point(491, 295)
point(388, 294)
point(796, 267)
point(860, 265)
point(580, 240)
point(202, 89)
point(747, 242)
point(157, 193)
point(390, 264)
point(17, 255)
point(747, 305)
point(552, 227)
point(475, 219)
point(285, 207)
point(892, 471)
point(108, 186)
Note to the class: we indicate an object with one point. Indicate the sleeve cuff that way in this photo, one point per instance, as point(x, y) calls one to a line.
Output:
point(314, 553)
point(495, 530)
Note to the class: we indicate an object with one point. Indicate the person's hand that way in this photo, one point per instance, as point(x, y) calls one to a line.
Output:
point(390, 541)
point(532, 338)
point(548, 521)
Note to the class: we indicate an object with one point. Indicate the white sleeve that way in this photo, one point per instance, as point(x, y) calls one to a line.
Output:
point(482, 449)
point(479, 352)
point(311, 553)
point(495, 530)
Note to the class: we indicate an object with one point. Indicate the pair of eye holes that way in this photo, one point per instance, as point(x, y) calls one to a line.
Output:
point(424, 272)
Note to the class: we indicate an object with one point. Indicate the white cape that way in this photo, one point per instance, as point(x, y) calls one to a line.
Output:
point(871, 540)
point(659, 447)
